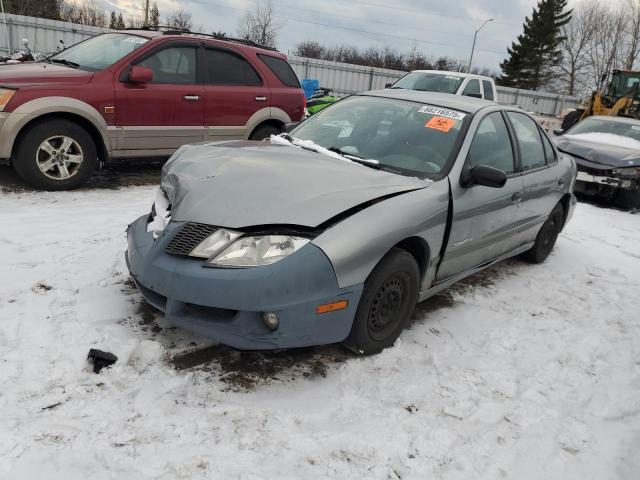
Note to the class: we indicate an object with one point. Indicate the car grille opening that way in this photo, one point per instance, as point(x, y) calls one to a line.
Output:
point(188, 238)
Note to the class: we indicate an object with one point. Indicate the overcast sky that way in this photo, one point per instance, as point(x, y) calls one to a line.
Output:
point(437, 27)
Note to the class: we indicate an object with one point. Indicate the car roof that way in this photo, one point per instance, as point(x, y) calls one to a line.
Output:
point(629, 121)
point(453, 74)
point(447, 100)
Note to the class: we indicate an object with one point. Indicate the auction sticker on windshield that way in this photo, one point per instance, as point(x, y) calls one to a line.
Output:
point(442, 124)
point(442, 112)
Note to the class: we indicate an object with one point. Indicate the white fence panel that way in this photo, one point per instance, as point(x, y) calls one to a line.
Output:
point(43, 34)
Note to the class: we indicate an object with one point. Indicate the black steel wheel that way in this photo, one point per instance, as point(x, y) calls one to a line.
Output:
point(547, 236)
point(389, 296)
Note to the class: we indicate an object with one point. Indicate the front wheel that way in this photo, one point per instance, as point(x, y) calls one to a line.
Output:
point(390, 295)
point(547, 237)
point(56, 155)
point(265, 131)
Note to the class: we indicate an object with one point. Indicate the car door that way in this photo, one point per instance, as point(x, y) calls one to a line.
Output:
point(235, 91)
point(484, 219)
point(159, 116)
point(543, 187)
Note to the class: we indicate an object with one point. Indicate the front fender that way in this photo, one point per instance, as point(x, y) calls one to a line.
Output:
point(356, 244)
point(15, 121)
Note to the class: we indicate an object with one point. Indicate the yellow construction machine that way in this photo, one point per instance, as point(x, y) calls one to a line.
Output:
point(622, 99)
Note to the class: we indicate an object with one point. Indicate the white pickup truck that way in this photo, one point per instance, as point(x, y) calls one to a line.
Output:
point(448, 82)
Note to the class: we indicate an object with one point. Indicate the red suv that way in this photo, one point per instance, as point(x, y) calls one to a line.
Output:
point(138, 94)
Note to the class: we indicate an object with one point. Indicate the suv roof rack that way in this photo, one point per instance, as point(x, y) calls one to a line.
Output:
point(167, 30)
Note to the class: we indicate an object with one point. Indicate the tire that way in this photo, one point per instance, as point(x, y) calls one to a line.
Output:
point(570, 119)
point(389, 297)
point(264, 131)
point(546, 238)
point(41, 147)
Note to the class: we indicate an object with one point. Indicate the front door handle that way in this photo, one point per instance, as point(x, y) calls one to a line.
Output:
point(191, 98)
point(561, 181)
point(516, 197)
point(261, 99)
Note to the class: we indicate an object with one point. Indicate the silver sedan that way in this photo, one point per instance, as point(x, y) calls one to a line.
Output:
point(334, 231)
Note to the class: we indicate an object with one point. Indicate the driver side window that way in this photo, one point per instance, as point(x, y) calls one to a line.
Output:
point(491, 145)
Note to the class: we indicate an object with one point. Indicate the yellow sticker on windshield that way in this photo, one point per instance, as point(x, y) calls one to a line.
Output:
point(441, 123)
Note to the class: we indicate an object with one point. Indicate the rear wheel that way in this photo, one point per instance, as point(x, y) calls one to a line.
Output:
point(56, 155)
point(264, 131)
point(547, 237)
point(390, 295)
point(571, 118)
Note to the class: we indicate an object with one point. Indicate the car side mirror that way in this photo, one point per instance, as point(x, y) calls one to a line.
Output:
point(140, 74)
point(387, 85)
point(483, 175)
point(558, 131)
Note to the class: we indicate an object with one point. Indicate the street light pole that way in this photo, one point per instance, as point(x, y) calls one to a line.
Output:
point(146, 14)
point(473, 47)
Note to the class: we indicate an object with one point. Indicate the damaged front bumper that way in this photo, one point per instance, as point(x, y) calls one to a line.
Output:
point(625, 178)
point(228, 304)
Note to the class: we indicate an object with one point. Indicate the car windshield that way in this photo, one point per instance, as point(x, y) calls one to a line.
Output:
point(429, 82)
point(404, 137)
point(611, 127)
point(99, 52)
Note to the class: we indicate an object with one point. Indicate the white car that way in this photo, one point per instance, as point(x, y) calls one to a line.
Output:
point(442, 81)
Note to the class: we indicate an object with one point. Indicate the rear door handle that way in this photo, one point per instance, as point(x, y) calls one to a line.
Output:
point(191, 98)
point(516, 197)
point(261, 99)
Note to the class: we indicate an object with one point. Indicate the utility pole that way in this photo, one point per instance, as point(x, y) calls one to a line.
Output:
point(475, 35)
point(146, 14)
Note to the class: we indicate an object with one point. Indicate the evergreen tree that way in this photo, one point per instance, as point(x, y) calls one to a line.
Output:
point(154, 15)
point(535, 55)
point(120, 23)
point(112, 21)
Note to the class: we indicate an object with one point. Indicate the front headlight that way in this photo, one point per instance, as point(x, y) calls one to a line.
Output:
point(6, 94)
point(258, 250)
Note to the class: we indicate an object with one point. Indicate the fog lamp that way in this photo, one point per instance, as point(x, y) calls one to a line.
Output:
point(271, 320)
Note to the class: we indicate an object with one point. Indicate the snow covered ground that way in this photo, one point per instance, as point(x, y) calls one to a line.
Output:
point(524, 372)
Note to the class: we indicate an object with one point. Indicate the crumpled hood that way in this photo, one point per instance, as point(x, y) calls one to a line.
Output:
point(601, 153)
point(241, 184)
point(41, 73)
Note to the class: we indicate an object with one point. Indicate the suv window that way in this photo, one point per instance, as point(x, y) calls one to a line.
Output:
point(488, 89)
point(172, 65)
point(281, 69)
point(528, 135)
point(491, 145)
point(472, 89)
point(227, 68)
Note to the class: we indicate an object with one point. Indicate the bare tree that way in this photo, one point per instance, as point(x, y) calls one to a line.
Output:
point(89, 12)
point(632, 44)
point(180, 19)
point(607, 47)
point(578, 40)
point(310, 49)
point(259, 25)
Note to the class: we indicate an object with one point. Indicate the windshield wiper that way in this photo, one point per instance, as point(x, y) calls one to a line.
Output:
point(369, 162)
point(63, 61)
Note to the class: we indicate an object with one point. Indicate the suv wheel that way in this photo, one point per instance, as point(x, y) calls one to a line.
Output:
point(264, 131)
point(56, 155)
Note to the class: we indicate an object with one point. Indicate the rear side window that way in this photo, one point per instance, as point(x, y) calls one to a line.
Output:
point(227, 68)
point(472, 89)
point(549, 153)
point(281, 69)
point(488, 90)
point(491, 145)
point(532, 151)
point(172, 65)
